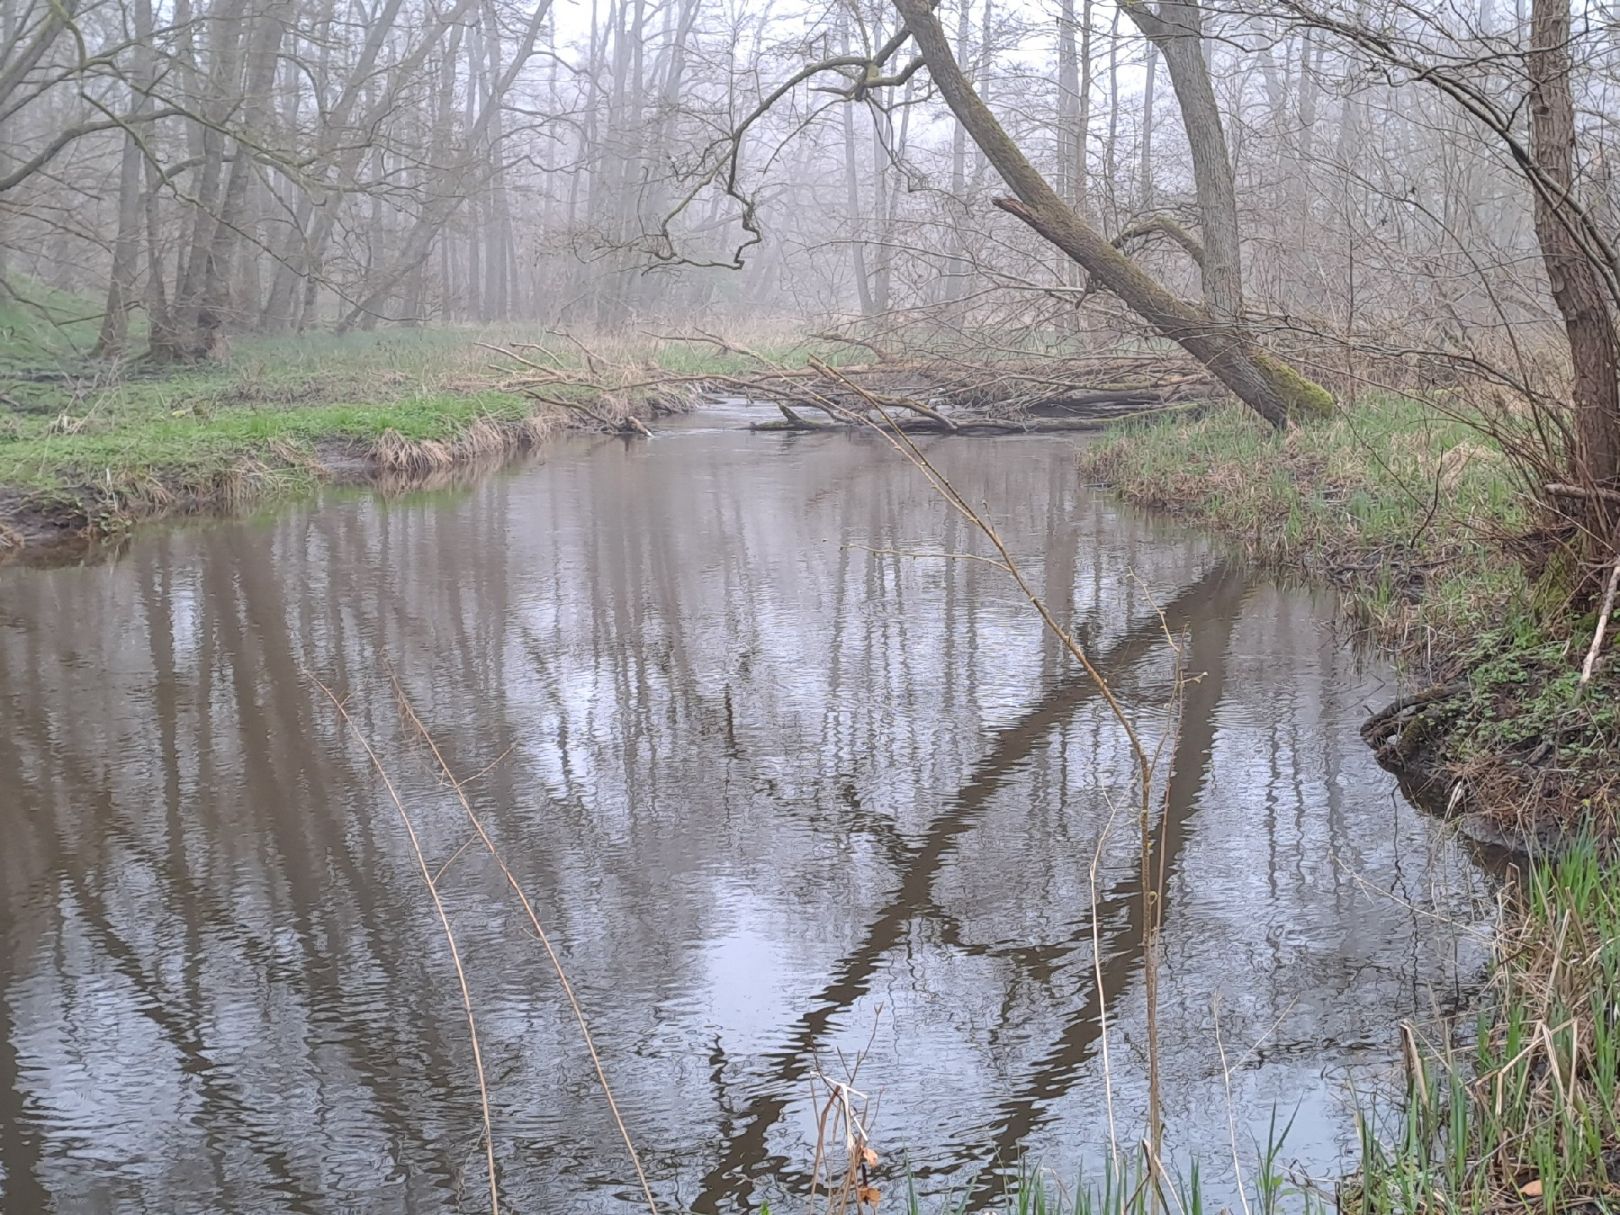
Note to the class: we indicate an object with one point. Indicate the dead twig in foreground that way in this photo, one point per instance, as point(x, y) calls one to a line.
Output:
point(1589, 667)
point(888, 426)
point(415, 721)
point(449, 936)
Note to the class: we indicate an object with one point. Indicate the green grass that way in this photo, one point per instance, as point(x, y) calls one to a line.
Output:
point(101, 447)
point(1528, 1118)
point(1402, 507)
point(1418, 519)
point(98, 446)
point(1133, 1188)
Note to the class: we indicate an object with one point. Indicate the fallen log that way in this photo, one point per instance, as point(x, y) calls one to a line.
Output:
point(971, 425)
point(1011, 393)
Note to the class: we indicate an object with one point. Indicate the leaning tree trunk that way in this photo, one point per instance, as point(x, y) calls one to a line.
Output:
point(1269, 386)
point(1576, 283)
point(1177, 30)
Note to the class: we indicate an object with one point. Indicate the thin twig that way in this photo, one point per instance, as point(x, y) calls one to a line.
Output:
point(903, 443)
point(449, 936)
point(534, 921)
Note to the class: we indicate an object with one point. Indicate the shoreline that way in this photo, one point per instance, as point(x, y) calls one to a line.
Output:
point(87, 456)
point(1521, 1115)
point(48, 528)
point(1414, 524)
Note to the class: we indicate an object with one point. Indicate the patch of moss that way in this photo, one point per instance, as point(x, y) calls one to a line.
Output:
point(1305, 399)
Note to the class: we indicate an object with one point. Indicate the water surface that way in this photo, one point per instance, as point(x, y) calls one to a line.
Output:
point(787, 776)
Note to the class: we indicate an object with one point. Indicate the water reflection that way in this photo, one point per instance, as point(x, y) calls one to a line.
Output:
point(778, 785)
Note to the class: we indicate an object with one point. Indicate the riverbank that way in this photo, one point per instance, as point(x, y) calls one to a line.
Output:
point(1420, 523)
point(89, 449)
point(1416, 518)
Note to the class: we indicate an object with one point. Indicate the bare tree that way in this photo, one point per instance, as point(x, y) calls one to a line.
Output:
point(1216, 337)
point(1574, 274)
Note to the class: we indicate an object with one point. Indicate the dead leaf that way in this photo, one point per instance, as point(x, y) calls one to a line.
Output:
point(867, 1196)
point(869, 1157)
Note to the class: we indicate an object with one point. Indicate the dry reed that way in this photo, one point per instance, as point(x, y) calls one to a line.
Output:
point(449, 936)
point(415, 721)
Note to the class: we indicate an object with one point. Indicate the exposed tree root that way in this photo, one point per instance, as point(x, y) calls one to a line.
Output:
point(1396, 732)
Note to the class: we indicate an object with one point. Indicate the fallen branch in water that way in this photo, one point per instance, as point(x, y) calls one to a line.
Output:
point(982, 426)
point(927, 392)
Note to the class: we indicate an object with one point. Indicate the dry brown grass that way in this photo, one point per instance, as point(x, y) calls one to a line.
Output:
point(480, 443)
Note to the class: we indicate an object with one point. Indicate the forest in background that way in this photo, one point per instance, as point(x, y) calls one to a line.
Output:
point(207, 169)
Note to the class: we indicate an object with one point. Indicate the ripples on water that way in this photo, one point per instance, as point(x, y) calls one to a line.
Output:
point(776, 789)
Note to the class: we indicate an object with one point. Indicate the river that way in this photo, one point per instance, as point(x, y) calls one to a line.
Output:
point(789, 777)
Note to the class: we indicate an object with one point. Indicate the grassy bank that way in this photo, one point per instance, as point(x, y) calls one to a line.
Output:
point(1420, 522)
point(1528, 1117)
point(93, 449)
point(1423, 525)
point(89, 448)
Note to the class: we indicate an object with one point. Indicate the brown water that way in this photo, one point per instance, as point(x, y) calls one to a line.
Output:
point(778, 786)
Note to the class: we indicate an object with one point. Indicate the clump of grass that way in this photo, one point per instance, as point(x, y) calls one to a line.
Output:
point(1527, 736)
point(1128, 1184)
point(1131, 1189)
point(1403, 508)
point(1418, 517)
point(1529, 1118)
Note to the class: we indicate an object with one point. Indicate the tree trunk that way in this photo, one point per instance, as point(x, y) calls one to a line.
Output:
point(127, 244)
point(1144, 199)
point(1177, 29)
point(1576, 284)
point(1068, 82)
point(1110, 211)
point(159, 322)
point(215, 93)
point(1081, 134)
point(1270, 387)
point(852, 189)
point(215, 302)
point(956, 281)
